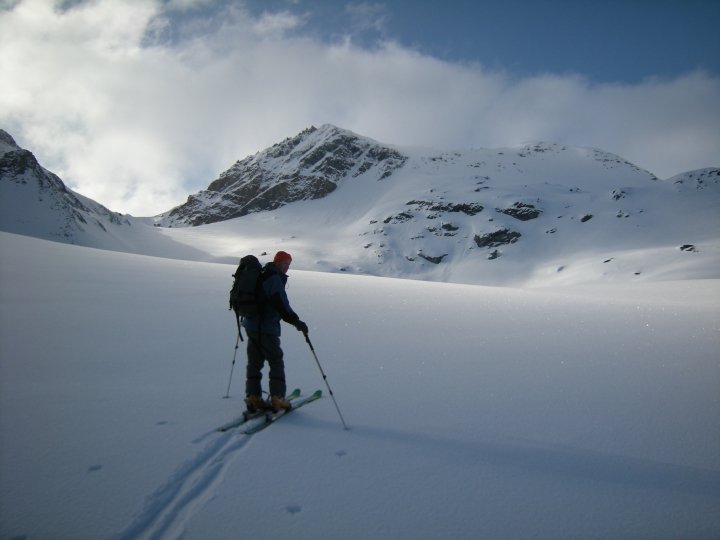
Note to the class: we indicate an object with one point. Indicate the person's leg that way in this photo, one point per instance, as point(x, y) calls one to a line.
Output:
point(274, 355)
point(255, 361)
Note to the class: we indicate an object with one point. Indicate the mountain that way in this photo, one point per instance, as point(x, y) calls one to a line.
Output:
point(36, 202)
point(594, 409)
point(307, 166)
point(531, 215)
point(535, 213)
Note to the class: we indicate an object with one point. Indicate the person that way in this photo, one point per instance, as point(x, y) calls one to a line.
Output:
point(264, 337)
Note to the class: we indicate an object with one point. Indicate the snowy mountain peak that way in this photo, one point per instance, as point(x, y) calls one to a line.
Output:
point(36, 202)
point(535, 214)
point(7, 143)
point(308, 166)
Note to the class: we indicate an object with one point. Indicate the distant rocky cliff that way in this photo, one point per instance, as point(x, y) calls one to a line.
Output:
point(308, 166)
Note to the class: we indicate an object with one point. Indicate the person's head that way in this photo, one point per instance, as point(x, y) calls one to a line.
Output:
point(282, 260)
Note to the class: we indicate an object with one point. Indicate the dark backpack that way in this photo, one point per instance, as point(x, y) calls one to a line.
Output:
point(246, 295)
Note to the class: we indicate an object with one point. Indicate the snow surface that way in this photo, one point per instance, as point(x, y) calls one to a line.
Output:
point(475, 412)
point(600, 219)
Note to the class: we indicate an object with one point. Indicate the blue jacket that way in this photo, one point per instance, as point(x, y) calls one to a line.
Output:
point(276, 306)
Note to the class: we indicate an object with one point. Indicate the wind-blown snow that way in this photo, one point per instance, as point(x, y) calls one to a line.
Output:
point(475, 412)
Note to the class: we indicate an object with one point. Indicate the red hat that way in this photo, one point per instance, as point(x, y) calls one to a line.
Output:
point(282, 256)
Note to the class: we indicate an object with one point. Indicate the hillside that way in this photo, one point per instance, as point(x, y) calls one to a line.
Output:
point(535, 214)
point(532, 215)
point(308, 166)
point(475, 412)
point(36, 202)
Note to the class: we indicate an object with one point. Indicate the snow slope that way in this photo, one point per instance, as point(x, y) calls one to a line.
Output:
point(347, 232)
point(475, 412)
point(534, 215)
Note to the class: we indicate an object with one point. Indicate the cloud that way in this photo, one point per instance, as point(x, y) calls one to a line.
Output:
point(276, 23)
point(365, 16)
point(137, 105)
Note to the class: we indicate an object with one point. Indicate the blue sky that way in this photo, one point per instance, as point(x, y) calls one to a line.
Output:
point(605, 40)
point(138, 103)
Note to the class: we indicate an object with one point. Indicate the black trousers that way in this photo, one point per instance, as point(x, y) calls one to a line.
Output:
point(262, 348)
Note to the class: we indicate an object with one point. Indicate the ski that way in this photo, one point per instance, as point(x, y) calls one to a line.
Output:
point(272, 417)
point(248, 416)
point(241, 421)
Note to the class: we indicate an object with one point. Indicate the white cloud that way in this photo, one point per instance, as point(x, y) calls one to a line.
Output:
point(183, 5)
point(276, 23)
point(137, 121)
point(367, 16)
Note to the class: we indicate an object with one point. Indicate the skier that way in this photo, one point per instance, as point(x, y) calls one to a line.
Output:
point(264, 337)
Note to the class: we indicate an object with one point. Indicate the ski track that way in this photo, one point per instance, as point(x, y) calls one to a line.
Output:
point(191, 487)
point(194, 484)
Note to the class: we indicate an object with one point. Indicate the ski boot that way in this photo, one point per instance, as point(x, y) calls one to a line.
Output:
point(278, 403)
point(256, 404)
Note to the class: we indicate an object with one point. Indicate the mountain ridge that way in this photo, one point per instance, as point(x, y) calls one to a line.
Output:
point(304, 167)
point(66, 214)
point(537, 213)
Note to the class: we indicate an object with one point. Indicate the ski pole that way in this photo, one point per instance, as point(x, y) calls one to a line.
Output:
point(232, 368)
point(312, 349)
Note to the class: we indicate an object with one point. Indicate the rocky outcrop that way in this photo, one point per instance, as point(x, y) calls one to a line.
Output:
point(36, 202)
point(497, 238)
point(308, 166)
point(521, 211)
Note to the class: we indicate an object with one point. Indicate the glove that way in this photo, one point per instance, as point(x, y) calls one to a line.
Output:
point(302, 327)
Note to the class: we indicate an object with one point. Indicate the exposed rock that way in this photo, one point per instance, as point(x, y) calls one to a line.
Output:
point(469, 209)
point(402, 217)
point(699, 179)
point(446, 229)
point(430, 258)
point(307, 166)
point(498, 238)
point(521, 211)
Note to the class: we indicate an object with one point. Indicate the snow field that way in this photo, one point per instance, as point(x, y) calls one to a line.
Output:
point(476, 412)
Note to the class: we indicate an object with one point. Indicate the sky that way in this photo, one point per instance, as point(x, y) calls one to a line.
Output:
point(138, 104)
